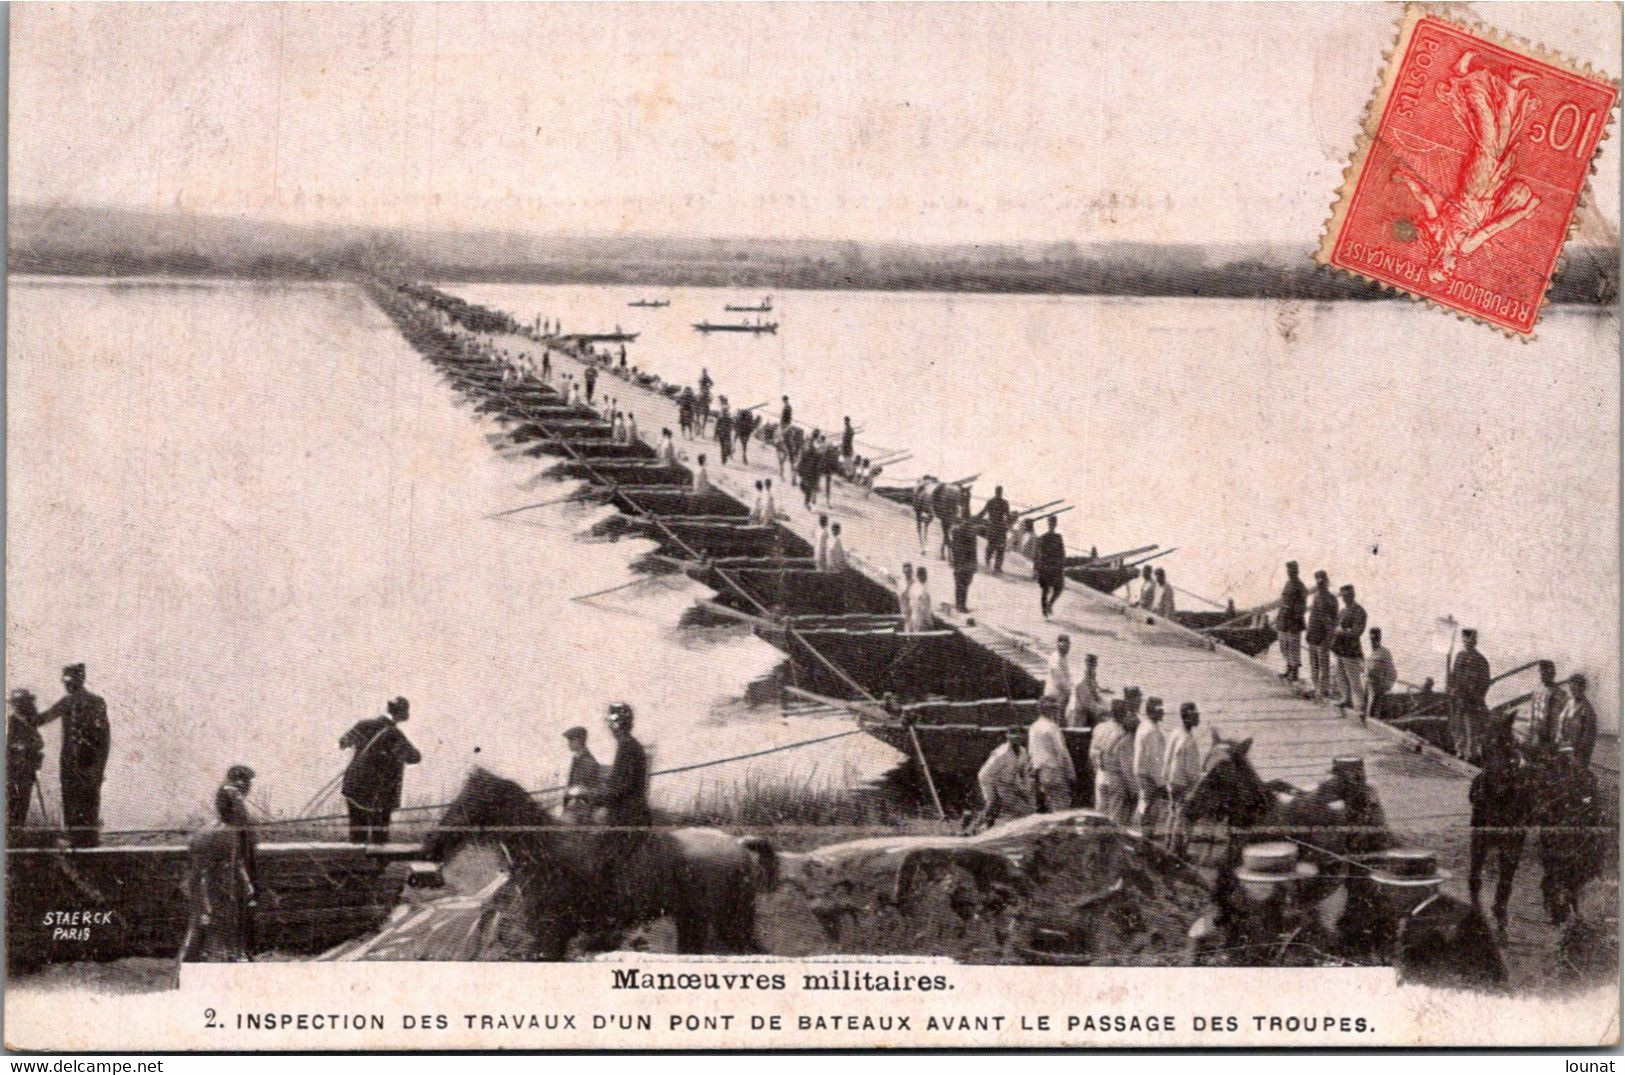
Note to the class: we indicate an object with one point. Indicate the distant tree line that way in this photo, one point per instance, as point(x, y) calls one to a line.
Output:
point(87, 241)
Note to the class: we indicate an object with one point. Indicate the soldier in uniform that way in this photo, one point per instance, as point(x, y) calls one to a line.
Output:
point(1469, 682)
point(1363, 926)
point(372, 780)
point(1438, 940)
point(1367, 826)
point(25, 753)
point(231, 808)
point(86, 739)
point(624, 792)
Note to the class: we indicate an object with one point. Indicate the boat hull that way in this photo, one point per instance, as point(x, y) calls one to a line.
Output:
point(955, 752)
point(1249, 640)
point(315, 896)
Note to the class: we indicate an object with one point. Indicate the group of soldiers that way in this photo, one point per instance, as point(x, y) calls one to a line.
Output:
point(1142, 771)
point(1341, 670)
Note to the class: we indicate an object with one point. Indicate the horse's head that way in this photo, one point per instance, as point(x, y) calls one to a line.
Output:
point(487, 804)
point(1230, 789)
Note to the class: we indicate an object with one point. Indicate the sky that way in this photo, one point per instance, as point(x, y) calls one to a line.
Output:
point(930, 123)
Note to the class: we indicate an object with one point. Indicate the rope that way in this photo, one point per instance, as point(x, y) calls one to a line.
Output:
point(553, 790)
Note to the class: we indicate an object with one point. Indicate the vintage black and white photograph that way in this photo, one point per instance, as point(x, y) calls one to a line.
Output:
point(882, 499)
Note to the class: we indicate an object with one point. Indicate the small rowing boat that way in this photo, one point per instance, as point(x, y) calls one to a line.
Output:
point(651, 304)
point(599, 337)
point(764, 308)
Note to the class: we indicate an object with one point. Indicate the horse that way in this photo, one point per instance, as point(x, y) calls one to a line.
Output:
point(1231, 791)
point(575, 879)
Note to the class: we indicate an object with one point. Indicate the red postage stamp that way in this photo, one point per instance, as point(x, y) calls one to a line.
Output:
point(1468, 171)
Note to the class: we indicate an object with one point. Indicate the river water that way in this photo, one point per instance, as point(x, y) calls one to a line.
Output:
point(256, 514)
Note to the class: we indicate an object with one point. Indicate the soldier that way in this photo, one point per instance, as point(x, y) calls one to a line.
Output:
point(25, 753)
point(625, 790)
point(1367, 826)
point(1362, 928)
point(1005, 780)
point(1572, 845)
point(1438, 941)
point(1577, 724)
point(1110, 796)
point(86, 740)
point(1289, 621)
point(372, 780)
point(1545, 705)
point(1469, 682)
point(1182, 770)
point(585, 773)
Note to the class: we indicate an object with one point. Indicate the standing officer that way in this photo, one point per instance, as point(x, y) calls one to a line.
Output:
point(1468, 684)
point(1289, 621)
point(372, 780)
point(1049, 568)
point(231, 807)
point(962, 549)
point(25, 753)
point(86, 739)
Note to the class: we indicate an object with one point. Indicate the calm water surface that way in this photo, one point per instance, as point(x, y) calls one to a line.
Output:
point(257, 514)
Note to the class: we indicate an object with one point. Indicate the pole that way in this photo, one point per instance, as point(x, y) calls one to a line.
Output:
point(531, 507)
point(1208, 601)
point(914, 737)
point(612, 589)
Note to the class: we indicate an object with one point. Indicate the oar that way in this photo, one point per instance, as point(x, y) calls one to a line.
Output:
point(1157, 556)
point(1199, 597)
point(1124, 555)
point(965, 481)
point(754, 406)
point(1041, 507)
point(1053, 514)
point(892, 460)
point(538, 504)
point(743, 617)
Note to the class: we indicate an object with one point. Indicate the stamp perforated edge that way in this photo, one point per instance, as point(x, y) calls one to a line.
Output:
point(1377, 105)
